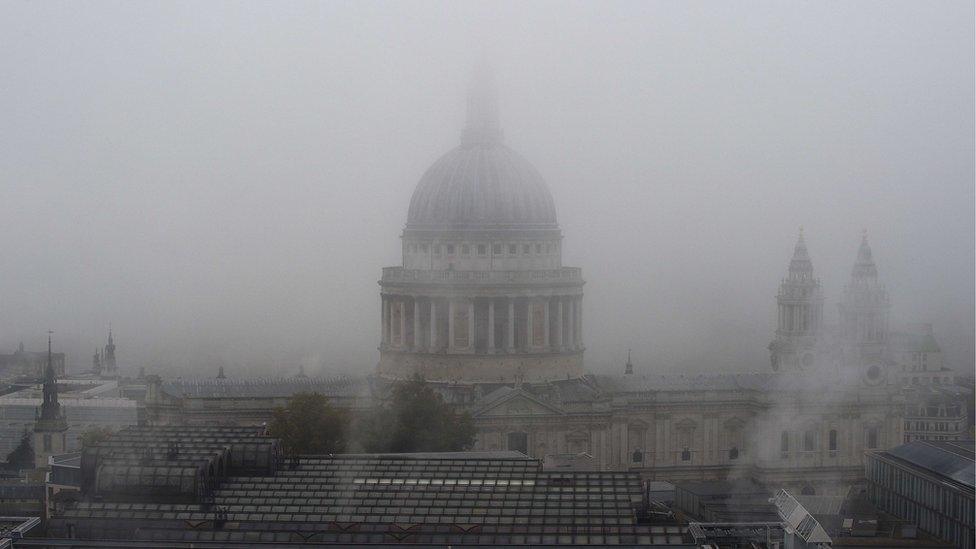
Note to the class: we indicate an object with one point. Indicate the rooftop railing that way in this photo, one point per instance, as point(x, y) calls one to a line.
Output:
point(564, 274)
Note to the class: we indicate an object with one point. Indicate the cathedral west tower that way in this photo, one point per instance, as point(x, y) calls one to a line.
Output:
point(482, 294)
point(799, 315)
point(864, 312)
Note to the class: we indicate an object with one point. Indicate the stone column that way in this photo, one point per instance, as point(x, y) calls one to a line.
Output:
point(559, 323)
point(471, 325)
point(491, 326)
point(511, 325)
point(385, 320)
point(529, 325)
point(450, 325)
point(403, 322)
point(545, 321)
point(390, 309)
point(571, 328)
point(417, 342)
point(579, 321)
point(433, 325)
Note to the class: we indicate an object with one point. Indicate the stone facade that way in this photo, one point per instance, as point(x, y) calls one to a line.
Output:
point(773, 428)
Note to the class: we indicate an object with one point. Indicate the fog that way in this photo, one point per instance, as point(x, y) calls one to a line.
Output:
point(223, 182)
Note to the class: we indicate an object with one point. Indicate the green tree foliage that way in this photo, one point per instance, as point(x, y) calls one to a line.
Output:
point(416, 419)
point(310, 425)
point(93, 435)
point(22, 457)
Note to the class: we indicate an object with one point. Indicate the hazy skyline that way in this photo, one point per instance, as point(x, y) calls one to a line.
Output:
point(223, 182)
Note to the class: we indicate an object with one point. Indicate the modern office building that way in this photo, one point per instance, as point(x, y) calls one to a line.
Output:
point(928, 483)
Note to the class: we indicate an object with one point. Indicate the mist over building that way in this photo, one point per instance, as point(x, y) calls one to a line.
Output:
point(694, 301)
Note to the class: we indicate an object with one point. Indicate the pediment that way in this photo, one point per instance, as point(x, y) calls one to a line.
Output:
point(518, 403)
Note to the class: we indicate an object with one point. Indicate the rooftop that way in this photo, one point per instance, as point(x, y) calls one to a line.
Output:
point(952, 460)
point(485, 498)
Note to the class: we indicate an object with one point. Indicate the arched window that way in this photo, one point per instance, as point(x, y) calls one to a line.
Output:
point(784, 442)
point(809, 440)
point(686, 455)
point(832, 440)
point(637, 457)
point(734, 452)
point(872, 437)
point(808, 491)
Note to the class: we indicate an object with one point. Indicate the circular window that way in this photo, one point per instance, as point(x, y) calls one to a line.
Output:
point(874, 372)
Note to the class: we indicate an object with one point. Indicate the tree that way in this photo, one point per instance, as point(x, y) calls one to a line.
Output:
point(22, 457)
point(310, 425)
point(93, 435)
point(416, 419)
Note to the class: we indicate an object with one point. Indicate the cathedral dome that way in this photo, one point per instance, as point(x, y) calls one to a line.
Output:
point(481, 184)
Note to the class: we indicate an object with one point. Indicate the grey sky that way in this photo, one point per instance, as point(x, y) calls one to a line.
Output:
point(224, 181)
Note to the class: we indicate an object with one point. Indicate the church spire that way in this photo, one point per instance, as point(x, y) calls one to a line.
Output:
point(50, 408)
point(108, 362)
point(629, 367)
point(800, 266)
point(482, 127)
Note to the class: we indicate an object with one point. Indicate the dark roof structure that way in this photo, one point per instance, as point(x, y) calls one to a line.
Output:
point(464, 498)
point(174, 463)
point(264, 387)
point(952, 460)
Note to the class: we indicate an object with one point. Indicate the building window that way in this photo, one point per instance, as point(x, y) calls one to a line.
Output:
point(512, 249)
point(538, 248)
point(423, 248)
point(518, 442)
point(47, 443)
point(832, 440)
point(465, 250)
point(548, 248)
point(450, 249)
point(734, 453)
point(437, 250)
point(482, 249)
point(686, 455)
point(784, 443)
point(872, 437)
point(808, 491)
point(496, 249)
point(526, 249)
point(809, 440)
point(637, 456)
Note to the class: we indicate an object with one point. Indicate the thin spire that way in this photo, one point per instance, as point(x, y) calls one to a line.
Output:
point(800, 264)
point(482, 127)
point(629, 367)
point(50, 409)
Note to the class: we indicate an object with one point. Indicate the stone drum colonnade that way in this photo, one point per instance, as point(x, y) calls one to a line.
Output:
point(477, 325)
